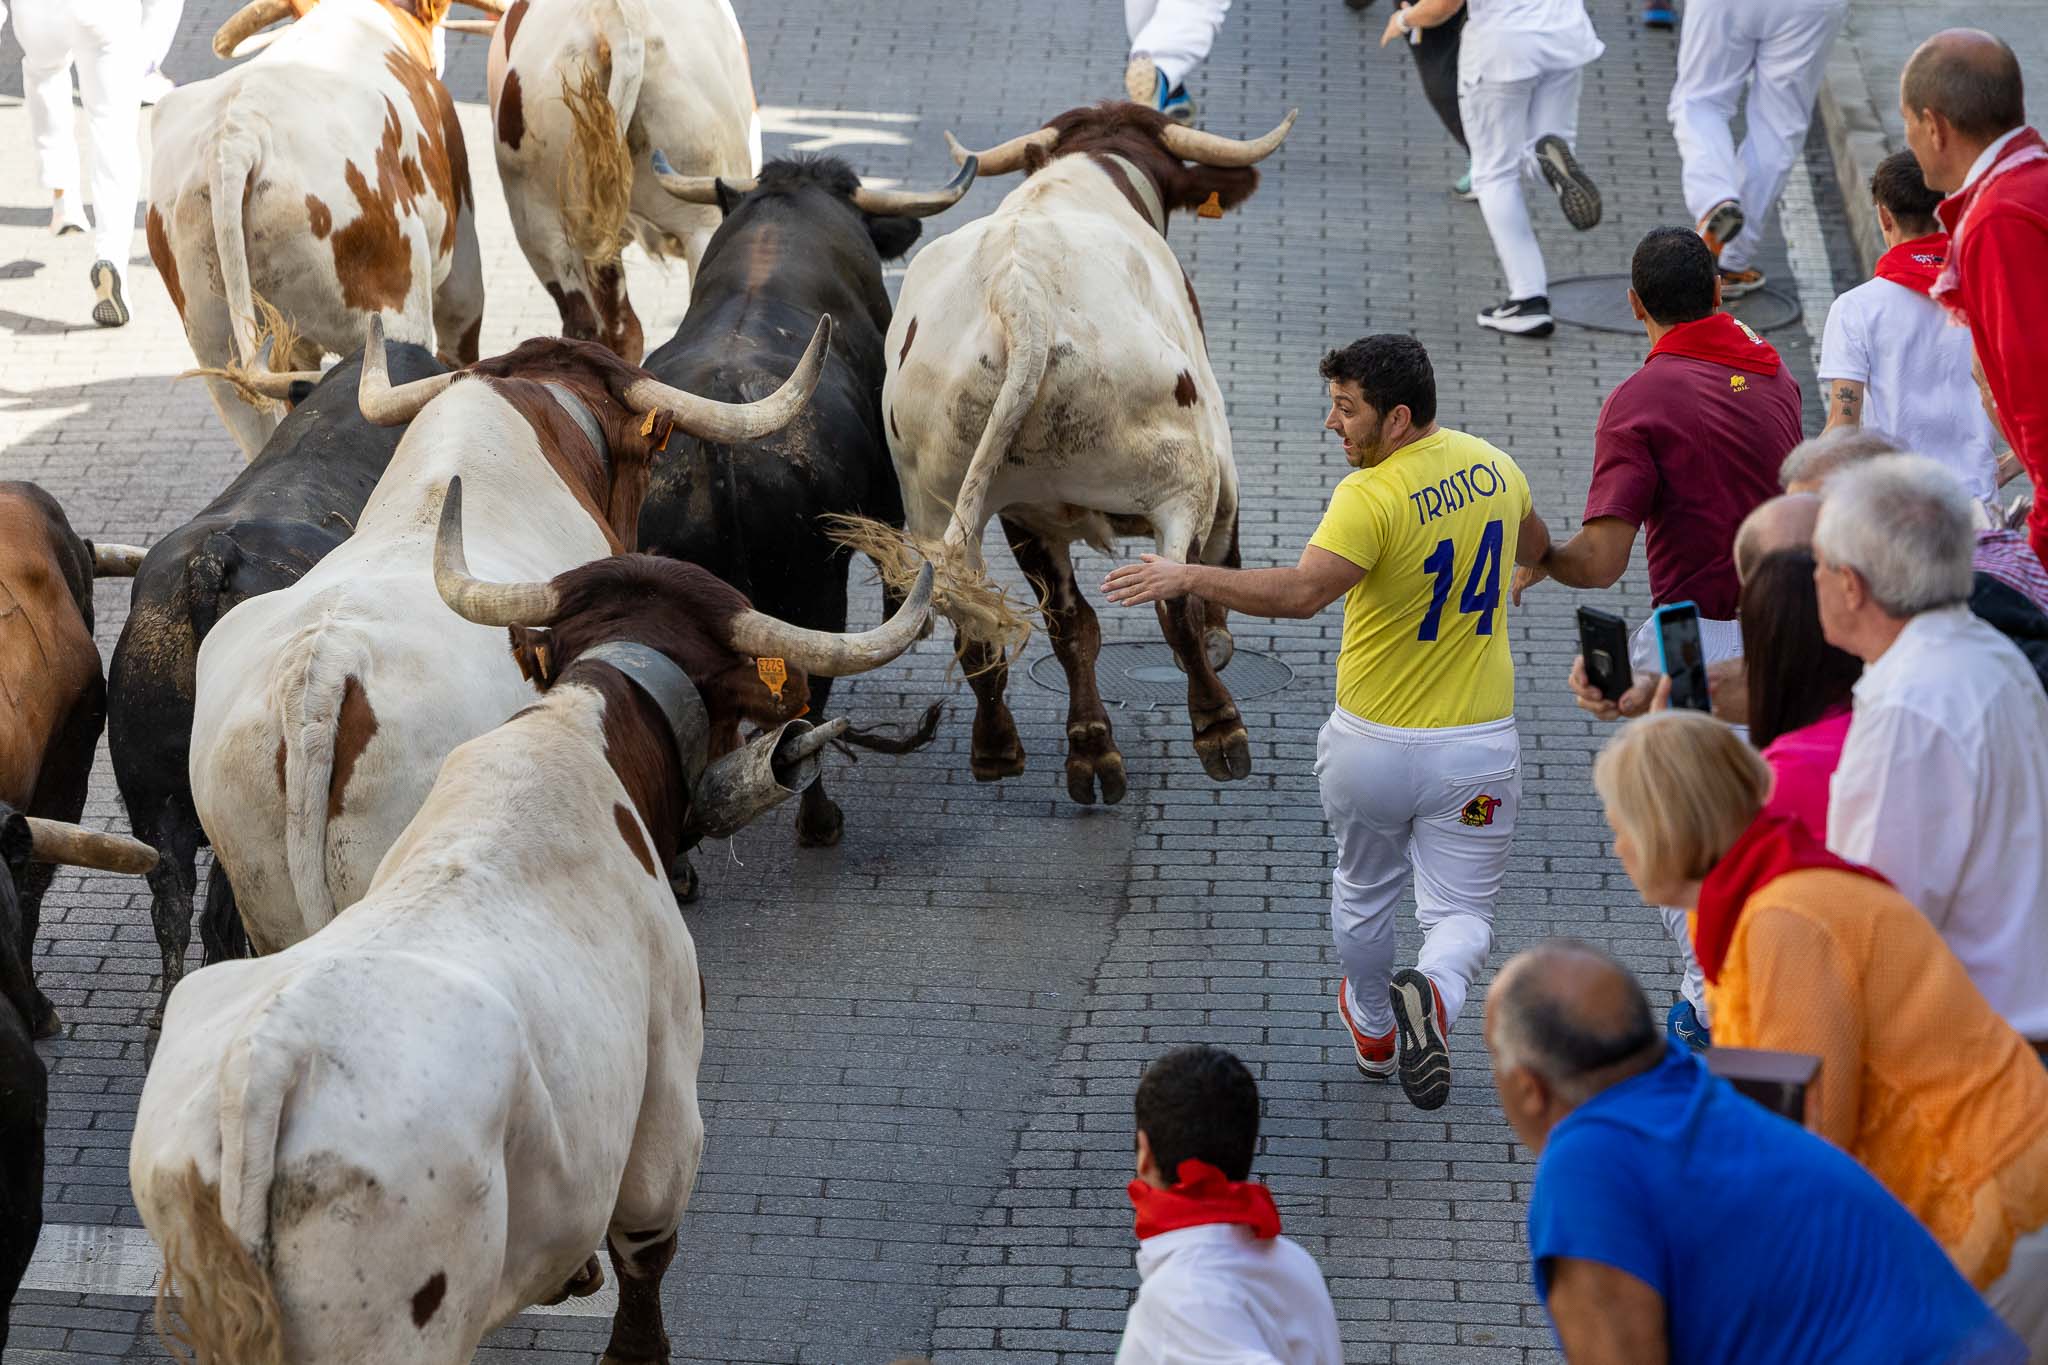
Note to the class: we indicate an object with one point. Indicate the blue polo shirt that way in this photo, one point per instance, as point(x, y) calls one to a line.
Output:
point(1767, 1243)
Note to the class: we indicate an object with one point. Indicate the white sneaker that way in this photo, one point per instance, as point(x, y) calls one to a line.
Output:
point(109, 309)
point(66, 217)
point(155, 85)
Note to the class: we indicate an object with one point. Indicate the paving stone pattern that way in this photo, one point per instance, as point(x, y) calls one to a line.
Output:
point(922, 1044)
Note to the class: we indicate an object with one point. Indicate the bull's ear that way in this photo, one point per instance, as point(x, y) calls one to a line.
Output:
point(533, 648)
point(894, 236)
point(728, 197)
point(15, 839)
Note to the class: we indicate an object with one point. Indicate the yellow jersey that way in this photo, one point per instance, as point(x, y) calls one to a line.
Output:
point(1425, 630)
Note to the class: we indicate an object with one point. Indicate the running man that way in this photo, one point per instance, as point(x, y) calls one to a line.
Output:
point(1420, 762)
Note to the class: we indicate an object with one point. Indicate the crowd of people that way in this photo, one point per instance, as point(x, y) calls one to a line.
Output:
point(1845, 840)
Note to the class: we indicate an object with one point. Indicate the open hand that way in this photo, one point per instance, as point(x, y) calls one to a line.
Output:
point(1633, 702)
point(1152, 579)
point(1393, 30)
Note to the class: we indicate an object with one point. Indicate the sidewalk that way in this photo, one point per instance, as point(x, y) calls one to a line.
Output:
point(1859, 101)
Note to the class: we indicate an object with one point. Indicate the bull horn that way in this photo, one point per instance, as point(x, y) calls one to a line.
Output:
point(482, 27)
point(116, 561)
point(830, 655)
point(257, 14)
point(474, 599)
point(710, 420)
point(54, 841)
point(1209, 149)
point(917, 203)
point(376, 399)
point(275, 383)
point(695, 189)
point(1006, 157)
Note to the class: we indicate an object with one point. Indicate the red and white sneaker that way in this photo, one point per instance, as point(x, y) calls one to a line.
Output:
point(1375, 1055)
point(1721, 225)
point(1425, 1063)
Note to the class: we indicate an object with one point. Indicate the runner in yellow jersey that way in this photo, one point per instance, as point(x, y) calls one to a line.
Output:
point(1419, 763)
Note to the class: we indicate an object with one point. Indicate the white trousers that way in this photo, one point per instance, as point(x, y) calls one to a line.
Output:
point(160, 26)
point(1718, 640)
point(102, 38)
point(1175, 34)
point(2020, 1295)
point(1777, 50)
point(1503, 120)
point(1438, 803)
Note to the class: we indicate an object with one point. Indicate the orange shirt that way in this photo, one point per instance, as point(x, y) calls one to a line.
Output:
point(1920, 1080)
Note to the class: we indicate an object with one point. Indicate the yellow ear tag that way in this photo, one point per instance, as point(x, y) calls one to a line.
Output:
point(1212, 207)
point(774, 673)
point(647, 428)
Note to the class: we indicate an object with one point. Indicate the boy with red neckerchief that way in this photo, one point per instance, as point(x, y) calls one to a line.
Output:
point(1221, 1286)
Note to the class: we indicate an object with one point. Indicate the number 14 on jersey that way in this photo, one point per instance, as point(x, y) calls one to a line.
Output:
point(1482, 586)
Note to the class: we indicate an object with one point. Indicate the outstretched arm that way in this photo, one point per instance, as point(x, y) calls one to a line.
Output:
point(1300, 592)
point(1594, 558)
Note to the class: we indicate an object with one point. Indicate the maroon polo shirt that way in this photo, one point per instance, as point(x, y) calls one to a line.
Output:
point(1686, 449)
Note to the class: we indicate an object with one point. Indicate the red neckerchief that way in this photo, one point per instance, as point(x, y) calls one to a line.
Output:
point(1916, 264)
point(1723, 341)
point(1203, 1195)
point(1772, 846)
point(1954, 213)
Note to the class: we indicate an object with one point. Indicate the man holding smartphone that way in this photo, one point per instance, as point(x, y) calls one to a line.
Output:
point(1420, 762)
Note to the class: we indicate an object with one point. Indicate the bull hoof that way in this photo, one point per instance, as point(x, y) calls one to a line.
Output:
point(581, 1285)
point(1226, 753)
point(48, 1024)
point(1218, 645)
point(820, 828)
point(994, 767)
point(1103, 771)
point(682, 879)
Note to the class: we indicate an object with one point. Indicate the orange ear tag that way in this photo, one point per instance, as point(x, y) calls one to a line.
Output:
point(1212, 207)
point(774, 673)
point(647, 426)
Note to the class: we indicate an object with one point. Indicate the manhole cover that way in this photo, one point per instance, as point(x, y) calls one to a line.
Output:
point(1143, 673)
point(1600, 302)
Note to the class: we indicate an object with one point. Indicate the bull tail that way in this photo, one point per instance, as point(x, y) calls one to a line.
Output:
point(235, 158)
point(206, 581)
point(597, 178)
point(1021, 313)
point(310, 691)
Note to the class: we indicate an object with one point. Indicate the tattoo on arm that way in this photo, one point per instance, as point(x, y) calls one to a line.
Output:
point(1845, 405)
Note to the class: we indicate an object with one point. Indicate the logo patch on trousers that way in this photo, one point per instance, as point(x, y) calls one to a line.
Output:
point(1479, 810)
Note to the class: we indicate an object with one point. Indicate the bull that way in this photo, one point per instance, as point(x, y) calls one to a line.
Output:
point(323, 183)
point(803, 240)
point(1047, 365)
point(282, 514)
point(324, 709)
point(52, 693)
point(582, 92)
point(387, 1139)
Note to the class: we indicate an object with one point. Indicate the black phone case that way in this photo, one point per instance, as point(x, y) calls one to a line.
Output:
point(1602, 633)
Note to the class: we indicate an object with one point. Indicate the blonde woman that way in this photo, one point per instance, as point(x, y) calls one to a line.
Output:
point(1920, 1079)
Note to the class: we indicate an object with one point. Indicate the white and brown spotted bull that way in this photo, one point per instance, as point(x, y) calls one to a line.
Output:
point(326, 178)
point(324, 709)
point(1047, 365)
point(381, 1143)
point(583, 93)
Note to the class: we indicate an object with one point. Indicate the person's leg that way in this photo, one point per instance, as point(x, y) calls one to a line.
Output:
point(1791, 59)
point(2020, 1295)
point(1464, 832)
point(109, 84)
point(1714, 63)
point(1436, 62)
point(159, 28)
point(1363, 781)
point(43, 28)
point(1496, 115)
point(1178, 35)
point(1554, 128)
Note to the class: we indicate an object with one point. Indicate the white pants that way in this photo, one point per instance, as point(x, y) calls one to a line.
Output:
point(1175, 34)
point(1441, 803)
point(1778, 50)
point(102, 38)
point(1718, 640)
point(160, 26)
point(1503, 119)
point(2020, 1295)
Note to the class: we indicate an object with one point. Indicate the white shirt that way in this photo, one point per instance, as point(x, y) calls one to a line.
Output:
point(1943, 787)
point(1986, 157)
point(1219, 1295)
point(1915, 372)
point(1516, 40)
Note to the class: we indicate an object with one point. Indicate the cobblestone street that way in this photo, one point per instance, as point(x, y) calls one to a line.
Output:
point(922, 1044)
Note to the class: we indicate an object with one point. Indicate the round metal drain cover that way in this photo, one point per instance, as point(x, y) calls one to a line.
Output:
point(1600, 303)
point(1143, 673)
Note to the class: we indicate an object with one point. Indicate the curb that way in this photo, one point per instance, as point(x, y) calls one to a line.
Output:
point(1857, 142)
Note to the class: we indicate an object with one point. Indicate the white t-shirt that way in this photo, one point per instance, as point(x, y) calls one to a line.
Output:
point(1220, 1295)
point(1517, 40)
point(1915, 372)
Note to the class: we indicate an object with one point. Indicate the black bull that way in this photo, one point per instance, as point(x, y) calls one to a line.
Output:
point(24, 1082)
point(297, 500)
point(791, 249)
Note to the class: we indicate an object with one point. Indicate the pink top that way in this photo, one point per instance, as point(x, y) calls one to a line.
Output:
point(1803, 762)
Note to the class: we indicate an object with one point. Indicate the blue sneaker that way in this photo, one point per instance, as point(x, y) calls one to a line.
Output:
point(1659, 16)
point(1145, 85)
point(1462, 187)
point(1685, 1026)
point(1178, 105)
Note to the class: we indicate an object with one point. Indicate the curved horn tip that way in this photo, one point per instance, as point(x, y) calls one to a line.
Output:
point(961, 156)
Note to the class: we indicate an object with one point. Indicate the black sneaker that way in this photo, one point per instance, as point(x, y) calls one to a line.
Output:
point(1577, 195)
point(108, 309)
point(1520, 317)
point(1721, 225)
point(1425, 1058)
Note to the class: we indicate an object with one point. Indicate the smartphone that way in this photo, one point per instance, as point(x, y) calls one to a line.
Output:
point(1685, 662)
point(1603, 641)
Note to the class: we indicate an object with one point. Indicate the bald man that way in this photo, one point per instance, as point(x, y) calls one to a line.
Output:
point(1674, 1221)
point(1964, 106)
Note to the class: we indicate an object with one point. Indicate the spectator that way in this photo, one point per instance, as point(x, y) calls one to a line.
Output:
point(1221, 1286)
point(1687, 447)
point(1920, 1080)
point(1943, 784)
point(1964, 106)
point(1674, 1220)
point(1889, 357)
point(1799, 686)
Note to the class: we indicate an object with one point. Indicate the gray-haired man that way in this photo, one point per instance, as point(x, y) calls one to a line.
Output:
point(1943, 784)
